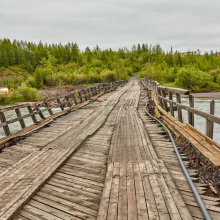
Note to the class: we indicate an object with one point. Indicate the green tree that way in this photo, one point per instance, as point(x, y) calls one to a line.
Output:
point(5, 59)
point(74, 53)
point(179, 60)
point(1, 59)
point(11, 57)
point(38, 78)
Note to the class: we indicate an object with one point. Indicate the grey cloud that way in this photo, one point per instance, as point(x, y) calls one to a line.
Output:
point(183, 24)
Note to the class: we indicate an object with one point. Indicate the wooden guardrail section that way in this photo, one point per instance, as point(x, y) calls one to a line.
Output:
point(203, 142)
point(65, 102)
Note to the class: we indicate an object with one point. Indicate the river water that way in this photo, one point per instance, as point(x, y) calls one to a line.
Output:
point(202, 104)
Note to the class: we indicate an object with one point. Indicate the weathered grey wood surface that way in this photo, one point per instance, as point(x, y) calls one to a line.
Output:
point(124, 169)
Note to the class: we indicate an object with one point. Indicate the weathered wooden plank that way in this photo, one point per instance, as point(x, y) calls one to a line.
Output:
point(122, 200)
point(60, 104)
point(210, 124)
point(141, 205)
point(39, 112)
point(114, 197)
point(131, 194)
point(49, 110)
point(174, 90)
point(104, 204)
point(14, 107)
point(171, 104)
point(4, 124)
point(18, 113)
point(149, 197)
point(190, 114)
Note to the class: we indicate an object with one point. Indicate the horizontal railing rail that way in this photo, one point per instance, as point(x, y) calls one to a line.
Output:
point(68, 100)
point(169, 105)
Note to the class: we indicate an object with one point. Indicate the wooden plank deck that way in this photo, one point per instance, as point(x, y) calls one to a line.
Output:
point(115, 163)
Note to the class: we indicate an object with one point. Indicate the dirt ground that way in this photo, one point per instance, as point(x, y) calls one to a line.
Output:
point(212, 95)
point(207, 173)
point(56, 91)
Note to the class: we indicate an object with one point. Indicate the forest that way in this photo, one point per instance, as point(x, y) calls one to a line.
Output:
point(26, 67)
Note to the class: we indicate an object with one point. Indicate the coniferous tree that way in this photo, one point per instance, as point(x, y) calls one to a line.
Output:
point(179, 60)
point(74, 53)
point(1, 59)
point(5, 59)
point(11, 57)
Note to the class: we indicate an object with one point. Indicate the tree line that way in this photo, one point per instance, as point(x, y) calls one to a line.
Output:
point(46, 65)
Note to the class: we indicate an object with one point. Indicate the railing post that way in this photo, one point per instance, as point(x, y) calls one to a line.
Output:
point(68, 101)
point(6, 127)
point(179, 110)
point(92, 91)
point(87, 90)
point(80, 97)
point(21, 121)
point(171, 104)
point(32, 116)
point(39, 112)
point(60, 104)
point(210, 124)
point(49, 110)
point(85, 94)
point(160, 100)
point(190, 114)
point(164, 102)
point(74, 99)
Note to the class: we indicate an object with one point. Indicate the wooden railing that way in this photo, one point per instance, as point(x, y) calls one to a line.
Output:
point(170, 106)
point(68, 100)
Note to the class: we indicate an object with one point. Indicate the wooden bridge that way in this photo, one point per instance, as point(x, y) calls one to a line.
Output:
point(101, 158)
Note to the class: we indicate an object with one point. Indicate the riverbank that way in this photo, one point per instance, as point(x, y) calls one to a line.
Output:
point(56, 91)
point(211, 95)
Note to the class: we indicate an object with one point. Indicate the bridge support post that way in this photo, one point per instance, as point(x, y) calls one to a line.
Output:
point(210, 124)
point(164, 102)
point(171, 104)
point(179, 110)
point(6, 127)
point(49, 110)
point(21, 121)
point(190, 114)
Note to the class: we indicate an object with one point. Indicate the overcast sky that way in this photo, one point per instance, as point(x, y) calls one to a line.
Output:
point(183, 24)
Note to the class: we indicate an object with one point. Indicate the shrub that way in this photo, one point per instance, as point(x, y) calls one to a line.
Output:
point(192, 78)
point(80, 79)
point(52, 80)
point(38, 78)
point(29, 94)
point(107, 76)
point(31, 82)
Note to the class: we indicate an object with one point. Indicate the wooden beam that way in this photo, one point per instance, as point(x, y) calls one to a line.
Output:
point(174, 90)
point(39, 112)
point(21, 121)
point(32, 115)
point(49, 110)
point(5, 127)
point(190, 114)
point(171, 104)
point(80, 97)
point(179, 110)
point(210, 124)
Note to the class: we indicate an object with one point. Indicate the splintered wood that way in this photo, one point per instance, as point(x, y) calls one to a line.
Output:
point(107, 160)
